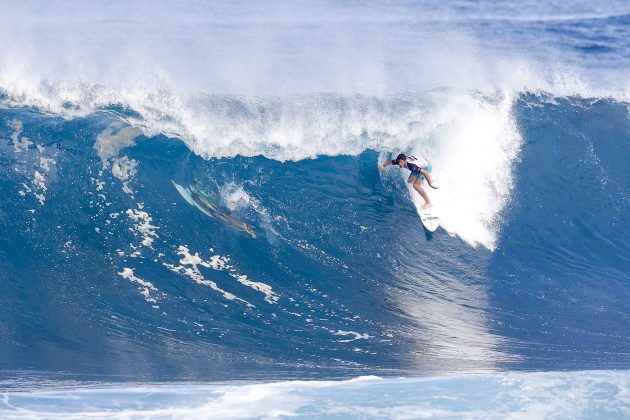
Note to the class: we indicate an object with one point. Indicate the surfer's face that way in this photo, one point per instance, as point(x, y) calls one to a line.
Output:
point(402, 163)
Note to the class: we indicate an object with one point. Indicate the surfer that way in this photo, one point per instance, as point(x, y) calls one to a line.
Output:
point(420, 169)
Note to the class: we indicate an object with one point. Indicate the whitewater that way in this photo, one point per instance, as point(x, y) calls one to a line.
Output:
point(299, 281)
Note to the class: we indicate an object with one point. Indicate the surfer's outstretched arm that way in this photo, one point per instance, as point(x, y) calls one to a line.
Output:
point(427, 175)
point(385, 165)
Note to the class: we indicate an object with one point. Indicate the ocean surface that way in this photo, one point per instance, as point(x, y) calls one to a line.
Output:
point(287, 275)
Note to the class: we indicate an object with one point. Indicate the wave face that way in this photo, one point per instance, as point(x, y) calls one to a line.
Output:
point(101, 251)
point(200, 199)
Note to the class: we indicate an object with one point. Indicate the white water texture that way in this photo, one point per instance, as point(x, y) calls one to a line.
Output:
point(603, 394)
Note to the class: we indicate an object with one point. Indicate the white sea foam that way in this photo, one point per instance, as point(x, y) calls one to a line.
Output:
point(146, 287)
point(40, 183)
point(355, 336)
point(124, 168)
point(19, 143)
point(234, 196)
point(143, 226)
point(115, 137)
point(45, 162)
point(270, 296)
point(595, 394)
point(189, 266)
point(109, 142)
point(26, 154)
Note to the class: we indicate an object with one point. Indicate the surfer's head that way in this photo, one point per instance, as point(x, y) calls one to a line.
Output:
point(401, 160)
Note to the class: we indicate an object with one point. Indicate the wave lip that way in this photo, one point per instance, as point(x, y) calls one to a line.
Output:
point(471, 138)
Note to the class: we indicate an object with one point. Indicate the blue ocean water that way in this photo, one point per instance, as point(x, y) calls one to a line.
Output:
point(278, 115)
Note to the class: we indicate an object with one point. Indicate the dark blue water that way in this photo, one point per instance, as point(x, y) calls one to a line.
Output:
point(563, 261)
point(357, 285)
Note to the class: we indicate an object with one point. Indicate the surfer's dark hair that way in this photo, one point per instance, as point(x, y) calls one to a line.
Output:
point(401, 157)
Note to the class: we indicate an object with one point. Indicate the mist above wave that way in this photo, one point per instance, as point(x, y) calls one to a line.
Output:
point(286, 48)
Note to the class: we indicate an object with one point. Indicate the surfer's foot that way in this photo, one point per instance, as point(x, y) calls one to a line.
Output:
point(435, 187)
point(427, 206)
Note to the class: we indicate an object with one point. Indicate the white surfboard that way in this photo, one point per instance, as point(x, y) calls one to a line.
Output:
point(429, 217)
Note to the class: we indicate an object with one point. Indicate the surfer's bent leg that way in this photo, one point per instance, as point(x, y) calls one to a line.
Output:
point(423, 194)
